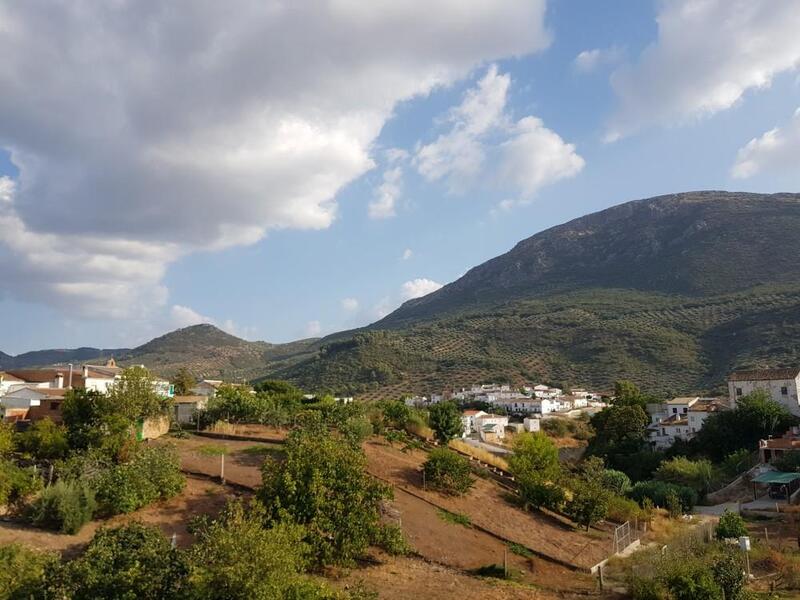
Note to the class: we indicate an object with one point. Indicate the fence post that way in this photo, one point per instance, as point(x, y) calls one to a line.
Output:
point(600, 577)
point(222, 468)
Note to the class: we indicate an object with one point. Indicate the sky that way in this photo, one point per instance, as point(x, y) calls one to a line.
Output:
point(288, 169)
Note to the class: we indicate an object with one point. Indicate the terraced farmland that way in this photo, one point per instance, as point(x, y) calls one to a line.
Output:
point(668, 344)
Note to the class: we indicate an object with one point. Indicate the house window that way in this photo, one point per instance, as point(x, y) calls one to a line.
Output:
point(738, 391)
point(54, 405)
point(685, 410)
point(675, 411)
point(784, 391)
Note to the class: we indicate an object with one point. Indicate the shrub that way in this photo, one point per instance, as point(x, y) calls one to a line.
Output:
point(323, 485)
point(448, 472)
point(16, 483)
point(391, 539)
point(555, 427)
point(642, 588)
point(133, 561)
point(696, 474)
point(730, 525)
point(44, 440)
point(615, 481)
point(6, 438)
point(23, 571)
point(64, 506)
point(236, 558)
point(153, 474)
point(621, 509)
point(658, 491)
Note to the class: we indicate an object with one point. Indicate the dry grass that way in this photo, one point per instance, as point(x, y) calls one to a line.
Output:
point(480, 454)
point(420, 430)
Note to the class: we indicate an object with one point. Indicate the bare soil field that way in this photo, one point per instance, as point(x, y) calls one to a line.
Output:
point(243, 459)
point(487, 507)
point(200, 497)
point(404, 578)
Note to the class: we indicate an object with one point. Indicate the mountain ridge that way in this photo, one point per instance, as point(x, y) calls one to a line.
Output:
point(671, 291)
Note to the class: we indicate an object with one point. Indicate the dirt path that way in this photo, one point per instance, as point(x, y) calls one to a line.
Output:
point(486, 507)
point(200, 497)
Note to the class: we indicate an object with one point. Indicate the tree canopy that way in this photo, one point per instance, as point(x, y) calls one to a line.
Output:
point(445, 420)
point(323, 485)
point(536, 470)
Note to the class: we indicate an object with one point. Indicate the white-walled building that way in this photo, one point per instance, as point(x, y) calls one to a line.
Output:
point(468, 418)
point(531, 424)
point(187, 407)
point(781, 384)
point(491, 427)
point(679, 418)
point(206, 387)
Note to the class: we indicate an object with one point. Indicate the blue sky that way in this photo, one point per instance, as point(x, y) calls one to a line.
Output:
point(292, 269)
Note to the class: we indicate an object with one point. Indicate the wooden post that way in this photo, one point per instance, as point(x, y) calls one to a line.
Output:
point(50, 477)
point(766, 535)
point(505, 563)
point(600, 577)
point(222, 468)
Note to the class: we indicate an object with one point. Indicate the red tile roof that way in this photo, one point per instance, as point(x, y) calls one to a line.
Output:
point(764, 374)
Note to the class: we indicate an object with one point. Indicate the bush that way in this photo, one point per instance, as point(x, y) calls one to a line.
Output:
point(64, 506)
point(16, 483)
point(536, 469)
point(642, 588)
point(44, 440)
point(555, 427)
point(153, 474)
point(448, 472)
point(133, 561)
point(391, 539)
point(445, 420)
point(696, 474)
point(323, 485)
point(616, 482)
point(589, 503)
point(23, 571)
point(621, 509)
point(658, 492)
point(730, 525)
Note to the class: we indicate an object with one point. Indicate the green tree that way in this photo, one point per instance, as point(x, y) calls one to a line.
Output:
point(730, 525)
point(93, 421)
point(620, 432)
point(236, 558)
point(535, 467)
point(132, 562)
point(448, 472)
point(589, 503)
point(183, 382)
point(445, 420)
point(755, 417)
point(728, 572)
point(276, 386)
point(44, 440)
point(135, 396)
point(616, 482)
point(627, 393)
point(696, 474)
point(322, 484)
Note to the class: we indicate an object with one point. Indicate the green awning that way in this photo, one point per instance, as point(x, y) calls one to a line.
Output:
point(776, 477)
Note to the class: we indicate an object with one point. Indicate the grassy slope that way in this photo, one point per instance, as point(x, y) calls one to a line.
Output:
point(669, 344)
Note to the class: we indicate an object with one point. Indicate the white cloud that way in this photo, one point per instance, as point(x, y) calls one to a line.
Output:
point(589, 60)
point(416, 288)
point(523, 155)
point(159, 132)
point(407, 253)
point(313, 329)
point(777, 149)
point(350, 304)
point(708, 54)
point(183, 316)
point(458, 155)
point(536, 156)
point(387, 194)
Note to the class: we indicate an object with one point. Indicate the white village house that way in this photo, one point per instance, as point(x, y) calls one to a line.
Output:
point(781, 384)
point(679, 418)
